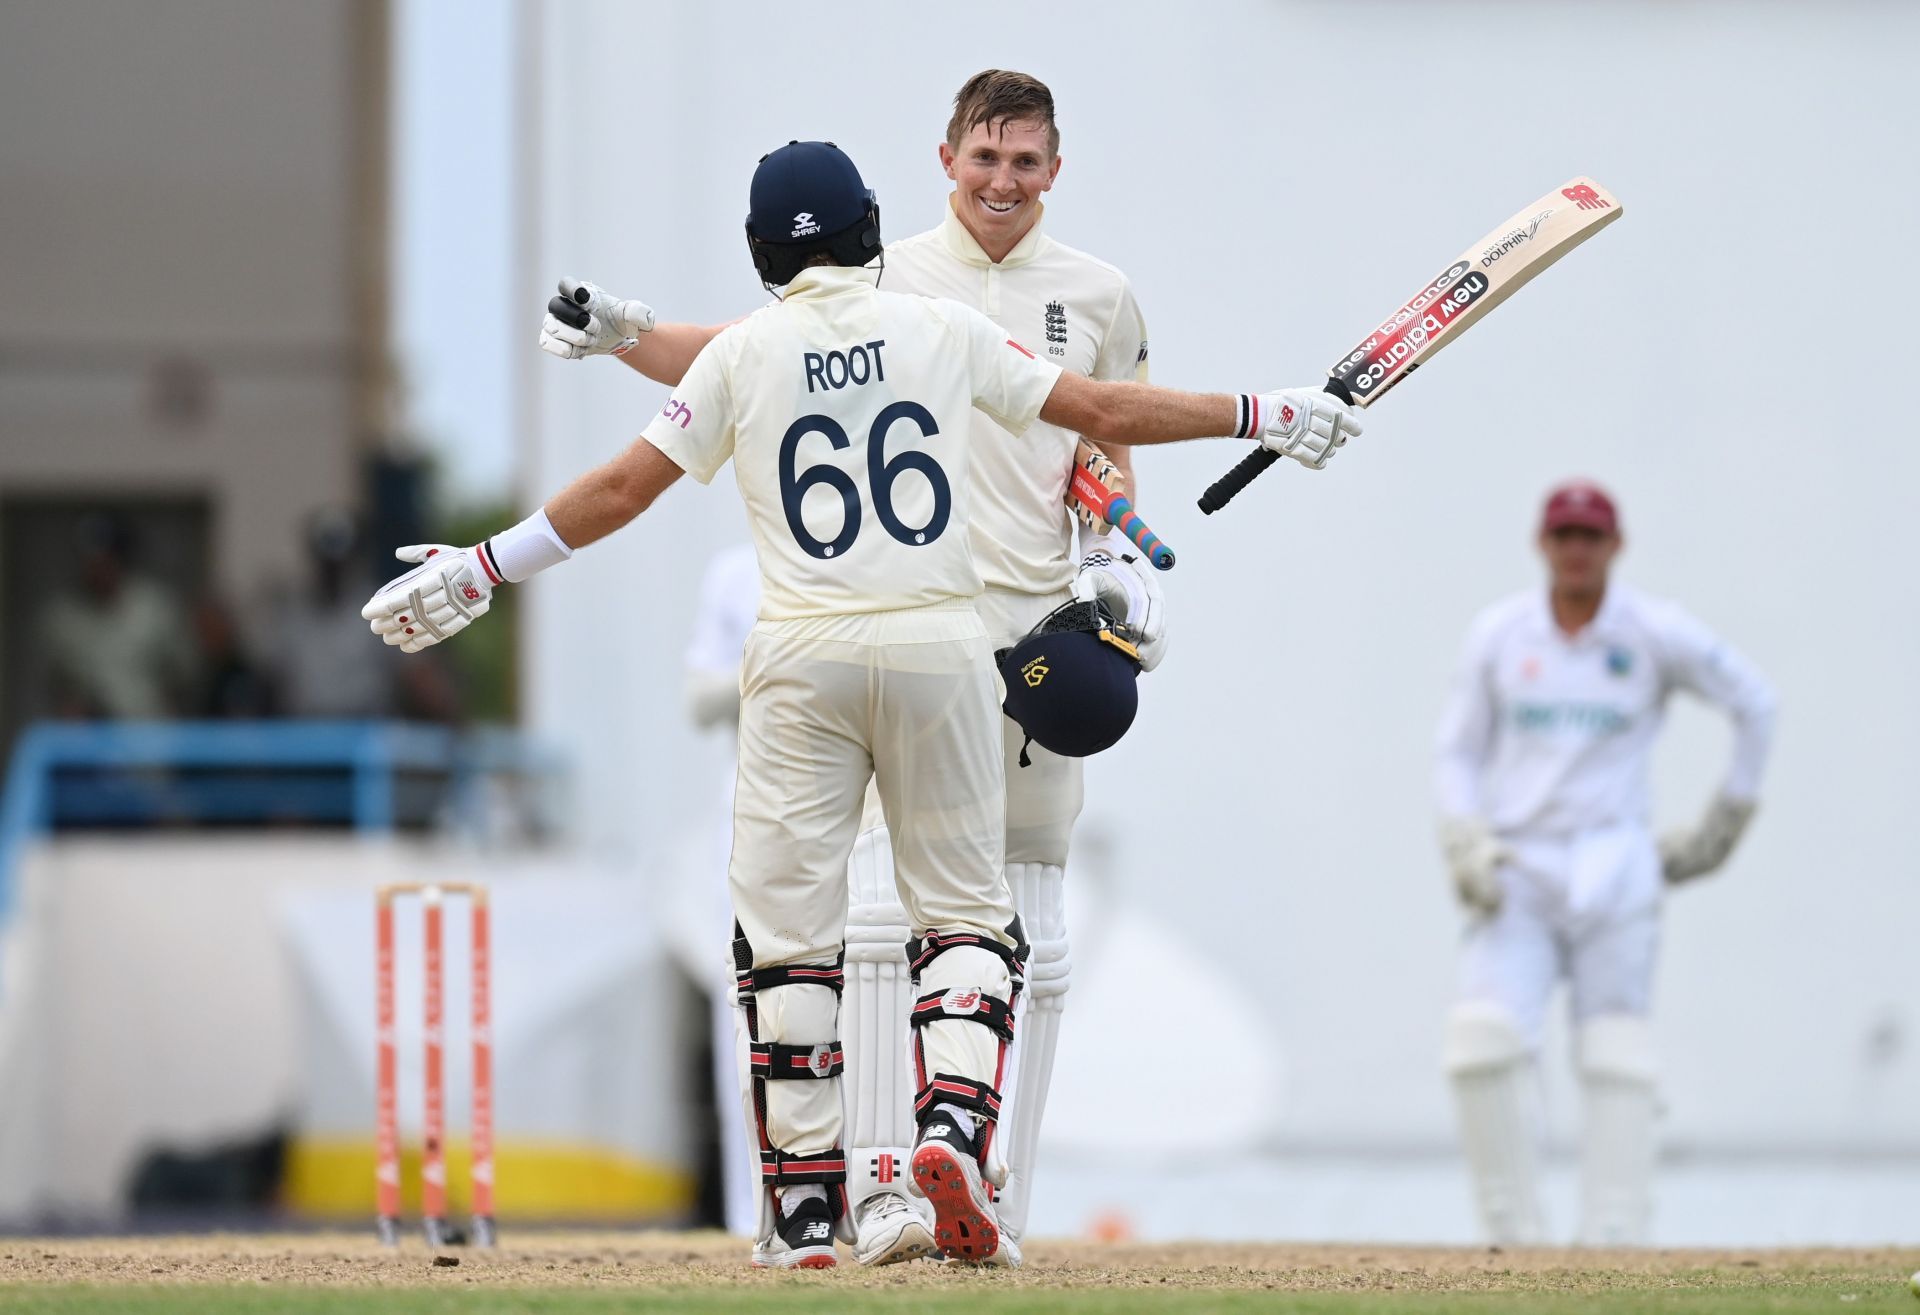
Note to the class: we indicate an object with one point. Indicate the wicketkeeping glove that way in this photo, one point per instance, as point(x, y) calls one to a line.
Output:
point(1474, 857)
point(1685, 855)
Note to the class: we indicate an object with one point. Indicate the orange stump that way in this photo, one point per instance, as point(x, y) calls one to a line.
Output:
point(433, 1169)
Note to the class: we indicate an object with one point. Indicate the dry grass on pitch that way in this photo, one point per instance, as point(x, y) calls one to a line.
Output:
point(705, 1261)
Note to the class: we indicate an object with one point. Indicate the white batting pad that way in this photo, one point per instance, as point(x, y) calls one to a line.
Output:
point(1618, 1075)
point(1492, 1074)
point(878, 1083)
point(1039, 893)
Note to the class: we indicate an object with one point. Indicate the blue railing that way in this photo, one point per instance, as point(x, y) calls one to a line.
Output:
point(315, 773)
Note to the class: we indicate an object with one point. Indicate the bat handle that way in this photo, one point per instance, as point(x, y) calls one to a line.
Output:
point(1122, 516)
point(1254, 464)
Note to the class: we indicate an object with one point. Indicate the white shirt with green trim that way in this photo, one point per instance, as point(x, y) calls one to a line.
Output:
point(1547, 733)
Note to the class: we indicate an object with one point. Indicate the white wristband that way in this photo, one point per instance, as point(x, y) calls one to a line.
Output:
point(525, 550)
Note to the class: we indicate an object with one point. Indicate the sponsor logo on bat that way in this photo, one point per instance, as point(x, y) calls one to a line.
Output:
point(1418, 302)
point(1384, 356)
point(1585, 197)
point(1518, 237)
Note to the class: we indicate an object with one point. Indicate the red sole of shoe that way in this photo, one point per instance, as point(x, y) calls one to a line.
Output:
point(961, 1227)
point(805, 1262)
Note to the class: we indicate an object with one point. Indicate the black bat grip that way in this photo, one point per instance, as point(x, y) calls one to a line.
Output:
point(1222, 490)
point(1254, 464)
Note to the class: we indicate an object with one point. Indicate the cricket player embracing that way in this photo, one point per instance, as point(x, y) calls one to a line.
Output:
point(845, 412)
point(1002, 153)
point(1542, 788)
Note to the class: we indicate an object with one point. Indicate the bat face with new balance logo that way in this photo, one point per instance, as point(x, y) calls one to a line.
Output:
point(1480, 278)
point(1485, 274)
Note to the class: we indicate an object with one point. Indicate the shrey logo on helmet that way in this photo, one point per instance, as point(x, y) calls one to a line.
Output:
point(804, 226)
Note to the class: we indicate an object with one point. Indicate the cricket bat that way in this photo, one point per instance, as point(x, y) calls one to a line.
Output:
point(1483, 276)
point(1097, 492)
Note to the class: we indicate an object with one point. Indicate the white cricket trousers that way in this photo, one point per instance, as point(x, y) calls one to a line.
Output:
point(910, 700)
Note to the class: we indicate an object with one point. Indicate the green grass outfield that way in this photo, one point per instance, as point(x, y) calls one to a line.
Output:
point(589, 1273)
point(263, 1298)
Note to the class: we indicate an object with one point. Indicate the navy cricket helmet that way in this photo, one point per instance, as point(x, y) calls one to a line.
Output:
point(808, 198)
point(1071, 681)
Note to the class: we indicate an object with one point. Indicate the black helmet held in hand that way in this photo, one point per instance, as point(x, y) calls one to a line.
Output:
point(1071, 681)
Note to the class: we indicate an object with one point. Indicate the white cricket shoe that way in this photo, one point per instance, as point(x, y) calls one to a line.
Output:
point(889, 1229)
point(947, 1174)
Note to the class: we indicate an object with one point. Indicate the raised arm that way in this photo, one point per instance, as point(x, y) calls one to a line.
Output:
point(451, 588)
point(585, 320)
point(1302, 423)
point(606, 498)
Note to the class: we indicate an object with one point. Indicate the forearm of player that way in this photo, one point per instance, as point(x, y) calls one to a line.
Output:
point(1128, 414)
point(665, 354)
point(608, 497)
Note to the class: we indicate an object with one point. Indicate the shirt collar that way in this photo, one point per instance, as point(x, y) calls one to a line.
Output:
point(819, 281)
point(1599, 627)
point(961, 243)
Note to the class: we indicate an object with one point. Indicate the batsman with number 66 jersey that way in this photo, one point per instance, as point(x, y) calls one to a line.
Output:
point(1542, 784)
point(989, 252)
point(844, 411)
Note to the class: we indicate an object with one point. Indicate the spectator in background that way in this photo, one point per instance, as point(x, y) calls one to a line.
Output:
point(322, 664)
point(118, 646)
point(231, 684)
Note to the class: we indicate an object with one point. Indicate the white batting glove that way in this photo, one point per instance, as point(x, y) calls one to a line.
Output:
point(1113, 573)
point(1685, 855)
point(587, 321)
point(436, 600)
point(1306, 424)
point(1474, 857)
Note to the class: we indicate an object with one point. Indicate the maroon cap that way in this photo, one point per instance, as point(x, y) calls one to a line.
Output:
point(1580, 503)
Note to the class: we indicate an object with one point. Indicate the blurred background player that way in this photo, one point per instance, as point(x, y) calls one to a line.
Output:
point(868, 663)
point(729, 603)
point(1542, 784)
point(991, 253)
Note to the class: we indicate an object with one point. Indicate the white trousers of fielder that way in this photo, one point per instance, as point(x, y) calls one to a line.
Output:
point(1583, 909)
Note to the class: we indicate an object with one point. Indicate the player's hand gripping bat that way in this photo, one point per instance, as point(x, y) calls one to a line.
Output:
point(1097, 492)
point(1484, 275)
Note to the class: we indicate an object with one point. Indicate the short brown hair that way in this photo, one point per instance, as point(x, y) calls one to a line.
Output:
point(997, 96)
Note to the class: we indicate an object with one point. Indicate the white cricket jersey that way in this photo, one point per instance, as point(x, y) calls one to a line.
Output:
point(1546, 733)
point(848, 415)
point(1069, 308)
